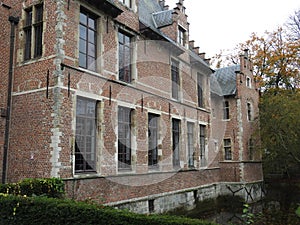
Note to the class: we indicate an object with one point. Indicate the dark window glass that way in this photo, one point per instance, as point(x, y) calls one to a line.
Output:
point(38, 31)
point(152, 139)
point(251, 148)
point(124, 138)
point(227, 149)
point(125, 54)
point(200, 90)
point(28, 34)
point(249, 112)
point(176, 142)
point(226, 110)
point(175, 79)
point(85, 140)
point(190, 138)
point(202, 132)
point(87, 40)
point(181, 36)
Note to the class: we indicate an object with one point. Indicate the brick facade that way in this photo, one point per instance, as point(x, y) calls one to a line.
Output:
point(45, 116)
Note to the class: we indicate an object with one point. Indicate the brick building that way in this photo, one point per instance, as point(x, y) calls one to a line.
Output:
point(112, 97)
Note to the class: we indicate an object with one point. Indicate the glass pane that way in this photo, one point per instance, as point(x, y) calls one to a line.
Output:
point(92, 23)
point(82, 46)
point(83, 19)
point(83, 31)
point(82, 60)
point(91, 50)
point(91, 36)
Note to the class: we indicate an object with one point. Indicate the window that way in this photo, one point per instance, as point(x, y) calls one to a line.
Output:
point(251, 148)
point(175, 79)
point(248, 82)
point(85, 139)
point(87, 40)
point(227, 149)
point(152, 139)
point(190, 138)
point(200, 90)
point(176, 138)
point(226, 110)
point(33, 31)
point(181, 36)
point(249, 111)
point(127, 2)
point(125, 55)
point(202, 133)
point(124, 138)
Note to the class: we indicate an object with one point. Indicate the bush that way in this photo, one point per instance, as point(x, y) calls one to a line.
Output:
point(50, 187)
point(41, 210)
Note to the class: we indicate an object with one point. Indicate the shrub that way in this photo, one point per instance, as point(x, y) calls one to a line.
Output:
point(41, 210)
point(50, 187)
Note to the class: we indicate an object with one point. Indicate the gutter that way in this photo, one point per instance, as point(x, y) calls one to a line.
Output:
point(13, 22)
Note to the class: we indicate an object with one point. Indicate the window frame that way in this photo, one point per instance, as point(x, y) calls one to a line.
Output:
point(202, 143)
point(87, 119)
point(226, 110)
point(124, 151)
point(200, 90)
point(33, 32)
point(175, 79)
point(181, 37)
point(125, 60)
point(227, 148)
point(86, 59)
point(176, 142)
point(190, 144)
point(153, 137)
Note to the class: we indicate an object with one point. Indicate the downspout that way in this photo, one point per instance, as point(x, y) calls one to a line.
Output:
point(13, 22)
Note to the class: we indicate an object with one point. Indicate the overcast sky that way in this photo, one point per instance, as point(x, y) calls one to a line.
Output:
point(222, 24)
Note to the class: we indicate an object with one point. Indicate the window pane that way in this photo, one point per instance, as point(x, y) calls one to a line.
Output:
point(83, 19)
point(91, 36)
point(83, 31)
point(91, 50)
point(92, 23)
point(82, 60)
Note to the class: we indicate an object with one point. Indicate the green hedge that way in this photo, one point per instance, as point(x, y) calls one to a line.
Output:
point(41, 210)
point(50, 187)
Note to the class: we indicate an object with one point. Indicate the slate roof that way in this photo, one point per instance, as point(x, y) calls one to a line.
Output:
point(223, 81)
point(151, 14)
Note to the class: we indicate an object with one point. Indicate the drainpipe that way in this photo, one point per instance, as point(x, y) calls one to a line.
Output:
point(13, 22)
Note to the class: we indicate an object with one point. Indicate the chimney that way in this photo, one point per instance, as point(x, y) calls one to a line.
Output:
point(202, 55)
point(196, 50)
point(192, 44)
point(162, 3)
point(166, 7)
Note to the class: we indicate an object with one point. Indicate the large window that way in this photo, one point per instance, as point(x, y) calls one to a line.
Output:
point(152, 139)
point(33, 31)
point(124, 138)
point(176, 142)
point(227, 149)
point(226, 115)
point(175, 79)
point(87, 40)
point(85, 139)
point(200, 90)
point(190, 138)
point(125, 57)
point(202, 134)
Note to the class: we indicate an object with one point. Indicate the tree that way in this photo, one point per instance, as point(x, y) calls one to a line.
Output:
point(280, 131)
point(293, 25)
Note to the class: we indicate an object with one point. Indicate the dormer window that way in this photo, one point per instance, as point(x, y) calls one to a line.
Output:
point(127, 3)
point(181, 35)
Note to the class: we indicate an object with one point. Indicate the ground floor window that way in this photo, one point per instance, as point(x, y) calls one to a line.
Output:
point(190, 140)
point(85, 138)
point(175, 142)
point(227, 149)
point(152, 139)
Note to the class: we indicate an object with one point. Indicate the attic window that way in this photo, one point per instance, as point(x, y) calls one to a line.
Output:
point(181, 35)
point(127, 3)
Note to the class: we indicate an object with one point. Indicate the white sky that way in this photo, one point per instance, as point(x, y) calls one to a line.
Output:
point(222, 24)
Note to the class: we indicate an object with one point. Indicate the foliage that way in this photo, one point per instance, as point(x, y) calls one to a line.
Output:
point(50, 187)
point(280, 131)
point(298, 211)
point(41, 210)
point(247, 215)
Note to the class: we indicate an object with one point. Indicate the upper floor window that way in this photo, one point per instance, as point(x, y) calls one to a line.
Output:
point(85, 139)
point(200, 90)
point(124, 138)
point(87, 40)
point(175, 79)
point(227, 149)
point(127, 3)
point(125, 57)
point(33, 30)
point(226, 115)
point(152, 139)
point(181, 35)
